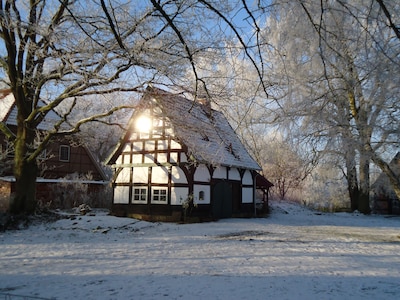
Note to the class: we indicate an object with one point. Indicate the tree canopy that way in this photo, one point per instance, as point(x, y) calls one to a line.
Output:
point(321, 72)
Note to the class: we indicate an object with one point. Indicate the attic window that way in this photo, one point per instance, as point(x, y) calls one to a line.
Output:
point(229, 148)
point(64, 153)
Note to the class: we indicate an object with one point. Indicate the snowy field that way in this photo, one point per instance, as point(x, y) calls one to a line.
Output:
point(295, 253)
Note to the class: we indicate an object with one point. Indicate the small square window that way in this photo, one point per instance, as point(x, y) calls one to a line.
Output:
point(139, 195)
point(64, 153)
point(159, 195)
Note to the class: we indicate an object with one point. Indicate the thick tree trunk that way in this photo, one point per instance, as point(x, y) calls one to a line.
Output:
point(363, 198)
point(352, 179)
point(25, 172)
point(352, 185)
point(24, 199)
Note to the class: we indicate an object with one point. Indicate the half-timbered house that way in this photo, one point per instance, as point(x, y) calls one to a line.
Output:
point(180, 157)
point(65, 159)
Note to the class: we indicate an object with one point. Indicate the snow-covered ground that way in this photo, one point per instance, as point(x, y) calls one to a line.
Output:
point(295, 253)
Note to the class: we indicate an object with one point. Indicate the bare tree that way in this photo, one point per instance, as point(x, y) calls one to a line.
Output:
point(337, 58)
point(59, 51)
point(56, 53)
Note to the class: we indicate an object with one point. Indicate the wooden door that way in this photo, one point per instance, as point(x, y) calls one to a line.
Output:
point(222, 200)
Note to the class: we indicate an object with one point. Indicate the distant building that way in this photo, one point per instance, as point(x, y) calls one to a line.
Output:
point(383, 197)
point(64, 160)
point(180, 158)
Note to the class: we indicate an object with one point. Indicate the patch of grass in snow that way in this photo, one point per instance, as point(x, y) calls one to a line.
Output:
point(248, 234)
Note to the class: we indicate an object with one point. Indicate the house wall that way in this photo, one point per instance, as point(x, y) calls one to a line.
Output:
point(153, 177)
point(51, 166)
point(79, 162)
point(145, 167)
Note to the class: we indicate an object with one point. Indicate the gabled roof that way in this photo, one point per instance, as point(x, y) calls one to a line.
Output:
point(263, 183)
point(204, 131)
point(382, 183)
point(8, 112)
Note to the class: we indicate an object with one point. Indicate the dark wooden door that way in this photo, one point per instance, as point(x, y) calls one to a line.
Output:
point(222, 200)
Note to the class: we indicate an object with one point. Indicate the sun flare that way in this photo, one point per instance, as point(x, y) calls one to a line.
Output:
point(143, 124)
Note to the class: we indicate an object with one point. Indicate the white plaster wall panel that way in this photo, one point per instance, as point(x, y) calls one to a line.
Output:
point(197, 188)
point(133, 136)
point(144, 135)
point(121, 195)
point(234, 174)
point(119, 160)
point(177, 175)
point(247, 195)
point(141, 174)
point(178, 195)
point(127, 158)
point(124, 176)
point(137, 146)
point(159, 175)
point(183, 157)
point(137, 158)
point(202, 174)
point(247, 178)
point(220, 172)
point(150, 145)
point(173, 157)
point(148, 158)
point(175, 145)
point(162, 157)
point(169, 132)
point(162, 145)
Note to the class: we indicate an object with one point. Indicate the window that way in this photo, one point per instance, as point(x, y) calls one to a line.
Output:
point(64, 153)
point(159, 195)
point(201, 195)
point(139, 195)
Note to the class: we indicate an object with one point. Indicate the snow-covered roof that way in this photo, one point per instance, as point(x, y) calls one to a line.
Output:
point(8, 112)
point(204, 131)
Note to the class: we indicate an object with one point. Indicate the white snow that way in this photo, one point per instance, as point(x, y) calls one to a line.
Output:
point(295, 253)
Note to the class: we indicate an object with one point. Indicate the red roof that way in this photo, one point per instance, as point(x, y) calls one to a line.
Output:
point(262, 182)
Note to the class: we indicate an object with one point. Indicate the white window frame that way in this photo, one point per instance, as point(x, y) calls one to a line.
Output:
point(140, 193)
point(158, 193)
point(68, 152)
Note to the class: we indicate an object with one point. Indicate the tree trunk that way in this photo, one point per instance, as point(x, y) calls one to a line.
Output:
point(24, 199)
point(352, 180)
point(25, 172)
point(363, 197)
point(352, 186)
